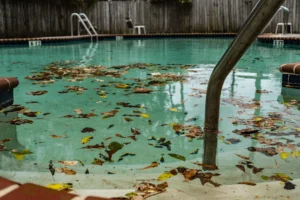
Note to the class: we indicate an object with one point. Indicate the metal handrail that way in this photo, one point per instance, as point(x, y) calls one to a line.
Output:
point(82, 21)
point(85, 18)
point(286, 13)
point(258, 19)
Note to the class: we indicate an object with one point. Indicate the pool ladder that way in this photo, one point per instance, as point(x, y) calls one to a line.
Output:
point(84, 20)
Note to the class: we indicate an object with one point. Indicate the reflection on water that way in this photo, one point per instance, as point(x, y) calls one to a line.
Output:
point(257, 70)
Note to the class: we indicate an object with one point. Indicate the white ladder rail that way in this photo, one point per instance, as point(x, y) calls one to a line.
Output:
point(82, 21)
point(85, 18)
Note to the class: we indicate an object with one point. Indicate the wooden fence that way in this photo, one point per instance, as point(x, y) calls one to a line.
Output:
point(31, 18)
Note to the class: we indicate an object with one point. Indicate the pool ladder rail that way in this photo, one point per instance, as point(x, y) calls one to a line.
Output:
point(86, 23)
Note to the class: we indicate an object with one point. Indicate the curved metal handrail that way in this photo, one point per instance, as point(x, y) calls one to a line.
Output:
point(286, 13)
point(89, 22)
point(258, 19)
point(80, 20)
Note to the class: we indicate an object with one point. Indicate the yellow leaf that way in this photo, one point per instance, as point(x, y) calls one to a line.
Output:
point(257, 119)
point(60, 186)
point(173, 109)
point(284, 155)
point(19, 155)
point(102, 96)
point(165, 176)
point(145, 115)
point(122, 86)
point(222, 138)
point(296, 153)
point(86, 139)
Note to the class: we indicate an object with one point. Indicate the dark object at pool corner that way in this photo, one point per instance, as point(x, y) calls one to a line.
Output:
point(290, 75)
point(7, 86)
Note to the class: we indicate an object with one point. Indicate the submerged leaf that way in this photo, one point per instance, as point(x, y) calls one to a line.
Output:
point(19, 155)
point(173, 109)
point(66, 171)
point(88, 130)
point(179, 157)
point(165, 176)
point(247, 183)
point(153, 164)
point(135, 131)
point(243, 157)
point(241, 167)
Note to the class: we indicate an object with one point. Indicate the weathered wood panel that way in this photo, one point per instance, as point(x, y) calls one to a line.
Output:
point(31, 18)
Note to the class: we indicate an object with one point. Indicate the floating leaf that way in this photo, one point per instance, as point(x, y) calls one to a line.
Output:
point(243, 157)
point(17, 121)
point(179, 157)
point(256, 170)
point(145, 115)
point(195, 152)
point(165, 176)
point(88, 130)
point(96, 146)
point(68, 163)
point(142, 90)
point(153, 164)
point(78, 111)
point(31, 114)
point(173, 109)
point(120, 136)
point(128, 119)
point(19, 155)
point(115, 146)
point(86, 139)
point(97, 162)
point(284, 155)
point(66, 171)
point(38, 93)
point(241, 167)
point(132, 137)
point(121, 85)
point(135, 131)
point(60, 186)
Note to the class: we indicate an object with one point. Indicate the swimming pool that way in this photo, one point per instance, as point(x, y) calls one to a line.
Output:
point(149, 126)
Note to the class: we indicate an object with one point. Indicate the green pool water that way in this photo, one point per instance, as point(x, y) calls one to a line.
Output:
point(257, 70)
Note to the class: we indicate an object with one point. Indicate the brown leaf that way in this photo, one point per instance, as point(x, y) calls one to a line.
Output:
point(38, 93)
point(243, 157)
point(96, 146)
point(142, 90)
point(5, 140)
point(241, 167)
point(257, 170)
point(120, 136)
point(88, 130)
point(108, 138)
point(58, 136)
point(17, 121)
point(135, 131)
point(128, 119)
point(97, 162)
point(66, 171)
point(153, 164)
point(211, 167)
point(190, 175)
point(247, 183)
point(68, 163)
point(132, 137)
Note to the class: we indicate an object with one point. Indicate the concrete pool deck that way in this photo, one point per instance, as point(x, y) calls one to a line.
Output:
point(177, 189)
